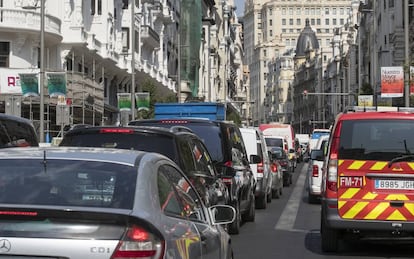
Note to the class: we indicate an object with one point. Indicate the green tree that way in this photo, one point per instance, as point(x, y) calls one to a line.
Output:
point(366, 89)
point(155, 96)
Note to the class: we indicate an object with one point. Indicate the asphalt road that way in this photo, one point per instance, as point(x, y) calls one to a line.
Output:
point(289, 229)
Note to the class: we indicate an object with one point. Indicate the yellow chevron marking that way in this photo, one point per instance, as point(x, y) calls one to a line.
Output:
point(351, 213)
point(396, 215)
point(356, 165)
point(409, 207)
point(374, 213)
point(411, 165)
point(350, 193)
point(369, 196)
point(378, 166)
point(341, 203)
point(396, 197)
point(340, 162)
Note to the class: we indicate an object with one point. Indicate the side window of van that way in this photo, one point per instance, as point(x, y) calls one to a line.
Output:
point(16, 133)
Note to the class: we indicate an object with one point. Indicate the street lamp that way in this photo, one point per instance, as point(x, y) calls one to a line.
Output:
point(407, 56)
point(42, 68)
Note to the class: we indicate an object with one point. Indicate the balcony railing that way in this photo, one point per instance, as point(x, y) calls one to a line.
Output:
point(150, 36)
point(28, 20)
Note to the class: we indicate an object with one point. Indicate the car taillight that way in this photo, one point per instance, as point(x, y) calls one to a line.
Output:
point(315, 171)
point(332, 182)
point(260, 168)
point(273, 167)
point(283, 163)
point(139, 243)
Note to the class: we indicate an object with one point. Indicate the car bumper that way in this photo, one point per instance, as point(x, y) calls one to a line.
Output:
point(333, 220)
point(314, 186)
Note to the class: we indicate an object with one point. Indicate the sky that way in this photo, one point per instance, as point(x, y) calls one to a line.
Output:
point(240, 7)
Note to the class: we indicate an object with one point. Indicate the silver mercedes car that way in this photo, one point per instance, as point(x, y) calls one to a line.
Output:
point(104, 203)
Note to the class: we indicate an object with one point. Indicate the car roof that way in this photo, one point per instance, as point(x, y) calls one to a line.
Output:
point(177, 130)
point(112, 155)
point(375, 115)
point(183, 121)
point(15, 118)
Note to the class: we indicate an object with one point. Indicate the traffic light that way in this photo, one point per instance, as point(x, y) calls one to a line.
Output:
point(305, 94)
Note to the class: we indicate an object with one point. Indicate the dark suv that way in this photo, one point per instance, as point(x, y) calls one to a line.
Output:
point(178, 143)
point(226, 147)
point(16, 132)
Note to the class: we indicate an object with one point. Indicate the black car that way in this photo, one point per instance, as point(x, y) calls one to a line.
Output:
point(280, 155)
point(17, 132)
point(226, 147)
point(178, 143)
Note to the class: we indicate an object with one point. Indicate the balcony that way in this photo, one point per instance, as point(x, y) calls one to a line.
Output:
point(149, 36)
point(29, 21)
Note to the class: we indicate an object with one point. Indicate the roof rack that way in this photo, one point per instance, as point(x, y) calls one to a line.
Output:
point(378, 108)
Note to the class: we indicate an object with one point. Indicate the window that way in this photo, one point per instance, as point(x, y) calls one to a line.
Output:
point(96, 7)
point(312, 21)
point(125, 39)
point(270, 22)
point(270, 11)
point(297, 21)
point(327, 10)
point(318, 21)
point(298, 11)
point(341, 11)
point(306, 11)
point(176, 195)
point(4, 54)
point(334, 11)
point(290, 21)
point(390, 3)
point(312, 11)
point(334, 21)
point(283, 10)
point(283, 21)
point(271, 33)
point(291, 11)
point(326, 21)
point(125, 4)
point(342, 21)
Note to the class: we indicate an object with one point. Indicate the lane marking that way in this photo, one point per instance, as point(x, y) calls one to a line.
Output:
point(290, 212)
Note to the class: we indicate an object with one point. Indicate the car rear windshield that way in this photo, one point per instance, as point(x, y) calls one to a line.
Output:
point(375, 139)
point(136, 141)
point(209, 133)
point(14, 133)
point(274, 142)
point(67, 183)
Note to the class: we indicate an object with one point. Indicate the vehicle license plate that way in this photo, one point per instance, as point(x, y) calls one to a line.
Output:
point(394, 184)
point(351, 181)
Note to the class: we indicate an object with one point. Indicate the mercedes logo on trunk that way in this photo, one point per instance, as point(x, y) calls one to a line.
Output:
point(5, 245)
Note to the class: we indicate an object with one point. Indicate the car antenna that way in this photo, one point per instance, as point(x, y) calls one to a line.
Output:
point(44, 161)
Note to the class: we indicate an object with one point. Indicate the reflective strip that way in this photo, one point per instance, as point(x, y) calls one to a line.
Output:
point(378, 166)
point(370, 196)
point(348, 194)
point(396, 215)
point(341, 203)
point(350, 214)
point(377, 211)
point(396, 197)
point(411, 165)
point(356, 165)
point(409, 207)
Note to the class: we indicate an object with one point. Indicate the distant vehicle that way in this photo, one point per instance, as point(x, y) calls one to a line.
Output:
point(179, 144)
point(260, 164)
point(279, 129)
point(17, 132)
point(368, 178)
point(278, 154)
point(316, 134)
point(228, 152)
point(276, 141)
point(104, 203)
point(317, 157)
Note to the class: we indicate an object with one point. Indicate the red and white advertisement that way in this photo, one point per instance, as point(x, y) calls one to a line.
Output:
point(392, 81)
point(10, 80)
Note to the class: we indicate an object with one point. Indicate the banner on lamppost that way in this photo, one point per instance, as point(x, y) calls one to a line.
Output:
point(392, 81)
point(30, 84)
point(124, 101)
point(56, 83)
point(142, 101)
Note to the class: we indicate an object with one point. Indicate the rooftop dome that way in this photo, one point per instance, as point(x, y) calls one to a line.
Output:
point(307, 40)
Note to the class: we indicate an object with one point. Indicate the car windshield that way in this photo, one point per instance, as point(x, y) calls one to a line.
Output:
point(136, 141)
point(67, 182)
point(376, 139)
point(274, 142)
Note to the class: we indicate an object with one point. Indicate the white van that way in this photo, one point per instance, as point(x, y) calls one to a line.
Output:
point(282, 130)
point(262, 171)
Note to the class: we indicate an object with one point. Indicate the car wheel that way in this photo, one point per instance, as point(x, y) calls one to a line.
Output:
point(269, 196)
point(234, 227)
point(276, 193)
point(261, 202)
point(329, 237)
point(251, 213)
point(312, 199)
